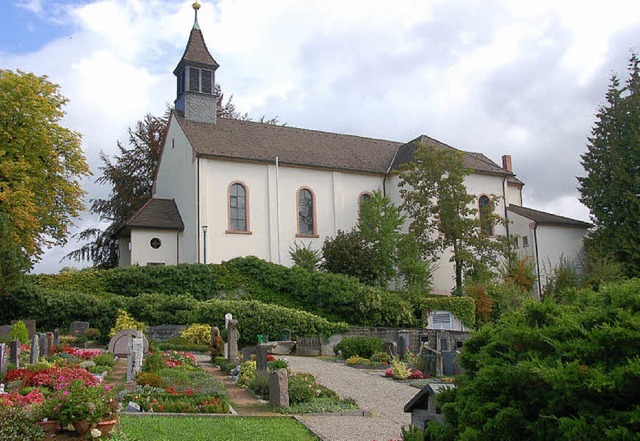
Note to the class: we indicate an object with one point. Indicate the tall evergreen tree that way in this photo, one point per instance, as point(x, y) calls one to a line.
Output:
point(611, 188)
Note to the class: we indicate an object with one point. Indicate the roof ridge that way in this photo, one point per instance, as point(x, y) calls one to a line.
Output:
point(322, 132)
point(547, 213)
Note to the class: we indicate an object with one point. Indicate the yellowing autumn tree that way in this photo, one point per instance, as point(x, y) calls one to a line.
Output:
point(41, 164)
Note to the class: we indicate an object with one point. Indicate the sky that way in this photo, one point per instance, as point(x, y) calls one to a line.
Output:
point(492, 76)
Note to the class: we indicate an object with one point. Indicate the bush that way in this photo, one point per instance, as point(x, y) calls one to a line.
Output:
point(274, 365)
point(581, 358)
point(355, 361)
point(381, 357)
point(304, 388)
point(16, 425)
point(20, 332)
point(148, 379)
point(247, 373)
point(197, 334)
point(124, 321)
point(260, 386)
point(92, 334)
point(105, 359)
point(216, 348)
point(154, 362)
point(358, 346)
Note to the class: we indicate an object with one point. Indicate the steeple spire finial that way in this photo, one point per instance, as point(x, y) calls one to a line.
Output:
point(196, 7)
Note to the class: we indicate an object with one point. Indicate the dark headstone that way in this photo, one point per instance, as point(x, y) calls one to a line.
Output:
point(164, 332)
point(14, 353)
point(78, 328)
point(132, 407)
point(56, 337)
point(43, 344)
point(30, 324)
point(5, 330)
point(261, 358)
point(279, 388)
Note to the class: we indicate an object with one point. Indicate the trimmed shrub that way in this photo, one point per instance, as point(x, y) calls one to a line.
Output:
point(247, 374)
point(16, 425)
point(19, 332)
point(197, 334)
point(363, 347)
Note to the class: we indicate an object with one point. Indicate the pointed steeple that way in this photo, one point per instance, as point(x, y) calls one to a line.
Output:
point(196, 78)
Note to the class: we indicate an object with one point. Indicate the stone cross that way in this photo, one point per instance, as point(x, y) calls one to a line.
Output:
point(261, 359)
point(233, 341)
point(43, 344)
point(49, 344)
point(56, 337)
point(279, 388)
point(35, 349)
point(14, 352)
point(3, 358)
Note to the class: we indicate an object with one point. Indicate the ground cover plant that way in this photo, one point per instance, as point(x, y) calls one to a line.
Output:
point(204, 429)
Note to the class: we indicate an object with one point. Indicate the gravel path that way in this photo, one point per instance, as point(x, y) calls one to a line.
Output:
point(384, 398)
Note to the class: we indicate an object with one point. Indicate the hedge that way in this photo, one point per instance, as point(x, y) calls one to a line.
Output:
point(461, 307)
point(57, 309)
point(333, 296)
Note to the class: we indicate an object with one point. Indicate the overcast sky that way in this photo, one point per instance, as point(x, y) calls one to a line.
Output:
point(497, 77)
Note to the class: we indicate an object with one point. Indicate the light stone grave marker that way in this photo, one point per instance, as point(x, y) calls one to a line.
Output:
point(34, 356)
point(227, 318)
point(3, 358)
point(233, 341)
point(134, 359)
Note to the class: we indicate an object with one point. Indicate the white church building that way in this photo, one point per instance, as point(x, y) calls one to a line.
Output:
point(227, 188)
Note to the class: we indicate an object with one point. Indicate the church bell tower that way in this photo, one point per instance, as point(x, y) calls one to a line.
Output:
point(196, 78)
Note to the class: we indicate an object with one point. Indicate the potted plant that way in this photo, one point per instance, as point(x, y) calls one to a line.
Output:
point(78, 405)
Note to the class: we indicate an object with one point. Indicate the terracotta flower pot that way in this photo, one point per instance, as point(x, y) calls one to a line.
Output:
point(106, 426)
point(48, 426)
point(82, 427)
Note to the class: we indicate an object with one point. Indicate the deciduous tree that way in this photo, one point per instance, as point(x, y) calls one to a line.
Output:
point(442, 213)
point(611, 188)
point(41, 166)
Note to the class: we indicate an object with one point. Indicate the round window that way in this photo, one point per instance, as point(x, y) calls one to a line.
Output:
point(155, 243)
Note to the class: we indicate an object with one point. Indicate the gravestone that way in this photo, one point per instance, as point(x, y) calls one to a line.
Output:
point(43, 344)
point(78, 328)
point(390, 347)
point(3, 358)
point(34, 356)
point(56, 337)
point(5, 330)
point(134, 358)
point(49, 344)
point(164, 332)
point(279, 388)
point(14, 353)
point(430, 362)
point(233, 341)
point(119, 343)
point(261, 358)
point(30, 324)
point(309, 346)
point(403, 341)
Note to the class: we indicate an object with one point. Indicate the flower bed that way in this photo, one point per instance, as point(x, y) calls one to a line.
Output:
point(172, 381)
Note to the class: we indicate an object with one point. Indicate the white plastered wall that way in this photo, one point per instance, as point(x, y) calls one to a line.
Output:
point(142, 253)
point(336, 203)
point(177, 179)
point(124, 253)
point(556, 242)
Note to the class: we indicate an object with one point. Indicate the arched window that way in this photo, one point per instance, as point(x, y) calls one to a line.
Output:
point(306, 213)
point(364, 196)
point(486, 223)
point(238, 219)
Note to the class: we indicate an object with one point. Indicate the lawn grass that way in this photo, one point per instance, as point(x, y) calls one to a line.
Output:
point(222, 428)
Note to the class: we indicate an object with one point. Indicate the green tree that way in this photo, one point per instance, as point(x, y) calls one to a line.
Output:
point(443, 214)
point(375, 250)
point(13, 259)
point(41, 166)
point(611, 188)
point(551, 371)
point(304, 256)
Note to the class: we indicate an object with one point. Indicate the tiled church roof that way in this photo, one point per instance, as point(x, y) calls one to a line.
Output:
point(545, 218)
point(156, 213)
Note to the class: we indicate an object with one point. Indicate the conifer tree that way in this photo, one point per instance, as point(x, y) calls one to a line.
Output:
point(611, 188)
